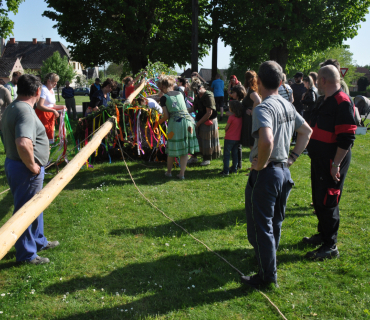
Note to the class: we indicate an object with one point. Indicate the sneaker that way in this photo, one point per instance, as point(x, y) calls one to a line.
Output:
point(206, 163)
point(168, 174)
point(324, 252)
point(192, 160)
point(224, 174)
point(50, 245)
point(256, 281)
point(180, 177)
point(315, 240)
point(38, 260)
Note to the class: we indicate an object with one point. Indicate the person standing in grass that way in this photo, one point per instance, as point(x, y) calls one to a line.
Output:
point(182, 139)
point(269, 184)
point(233, 130)
point(27, 152)
point(69, 96)
point(218, 86)
point(334, 127)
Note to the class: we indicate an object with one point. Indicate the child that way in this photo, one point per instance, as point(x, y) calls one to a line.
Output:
point(232, 137)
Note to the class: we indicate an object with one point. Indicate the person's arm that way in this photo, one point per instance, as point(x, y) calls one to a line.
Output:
point(25, 151)
point(165, 115)
point(7, 97)
point(40, 106)
point(227, 127)
point(138, 77)
point(265, 147)
point(256, 101)
point(63, 93)
point(303, 137)
point(205, 117)
point(291, 98)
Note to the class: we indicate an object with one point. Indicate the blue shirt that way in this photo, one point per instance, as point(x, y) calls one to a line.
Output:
point(218, 88)
point(68, 93)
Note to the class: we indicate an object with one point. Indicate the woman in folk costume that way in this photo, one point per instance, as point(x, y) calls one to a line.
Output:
point(181, 135)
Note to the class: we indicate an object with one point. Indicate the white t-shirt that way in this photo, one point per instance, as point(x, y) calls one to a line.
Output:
point(152, 104)
point(48, 96)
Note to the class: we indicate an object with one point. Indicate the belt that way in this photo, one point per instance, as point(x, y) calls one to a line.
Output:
point(277, 164)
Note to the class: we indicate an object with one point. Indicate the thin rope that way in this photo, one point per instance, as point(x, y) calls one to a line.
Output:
point(201, 242)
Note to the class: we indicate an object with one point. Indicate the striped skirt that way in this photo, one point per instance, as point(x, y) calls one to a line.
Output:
point(209, 144)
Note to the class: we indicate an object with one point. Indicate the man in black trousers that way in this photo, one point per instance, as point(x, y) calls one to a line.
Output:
point(334, 128)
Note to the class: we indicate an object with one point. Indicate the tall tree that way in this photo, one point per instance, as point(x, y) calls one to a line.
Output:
point(7, 25)
point(60, 66)
point(132, 30)
point(278, 30)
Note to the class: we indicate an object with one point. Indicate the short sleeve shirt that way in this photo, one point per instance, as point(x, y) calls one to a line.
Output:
point(48, 96)
point(21, 121)
point(281, 117)
point(235, 128)
point(218, 88)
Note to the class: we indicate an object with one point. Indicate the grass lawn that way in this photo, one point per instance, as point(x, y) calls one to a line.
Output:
point(121, 259)
point(78, 99)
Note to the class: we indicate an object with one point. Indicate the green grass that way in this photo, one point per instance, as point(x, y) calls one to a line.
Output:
point(78, 99)
point(112, 239)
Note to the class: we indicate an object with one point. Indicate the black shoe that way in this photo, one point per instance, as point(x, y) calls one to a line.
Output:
point(324, 252)
point(315, 240)
point(256, 281)
point(50, 245)
point(224, 174)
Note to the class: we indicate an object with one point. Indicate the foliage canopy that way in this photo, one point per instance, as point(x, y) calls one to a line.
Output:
point(132, 30)
point(7, 25)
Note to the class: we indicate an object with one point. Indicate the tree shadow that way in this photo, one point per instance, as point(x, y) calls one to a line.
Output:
point(169, 284)
point(193, 224)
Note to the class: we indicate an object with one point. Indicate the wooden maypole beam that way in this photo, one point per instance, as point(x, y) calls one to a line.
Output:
point(19, 222)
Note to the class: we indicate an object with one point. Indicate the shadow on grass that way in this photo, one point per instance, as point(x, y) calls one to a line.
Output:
point(193, 224)
point(5, 204)
point(169, 284)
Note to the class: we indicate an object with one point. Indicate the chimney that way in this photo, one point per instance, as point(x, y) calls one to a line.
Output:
point(12, 41)
point(34, 40)
point(48, 40)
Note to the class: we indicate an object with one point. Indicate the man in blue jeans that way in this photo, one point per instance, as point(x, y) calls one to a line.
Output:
point(274, 122)
point(27, 152)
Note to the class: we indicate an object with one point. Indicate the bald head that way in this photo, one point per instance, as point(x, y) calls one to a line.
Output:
point(328, 81)
point(330, 73)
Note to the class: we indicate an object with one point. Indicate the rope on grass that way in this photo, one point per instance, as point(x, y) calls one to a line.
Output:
point(201, 242)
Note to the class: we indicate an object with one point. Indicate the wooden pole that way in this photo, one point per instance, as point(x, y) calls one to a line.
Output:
point(194, 36)
point(19, 222)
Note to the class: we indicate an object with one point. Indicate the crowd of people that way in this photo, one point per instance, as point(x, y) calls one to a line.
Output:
point(266, 115)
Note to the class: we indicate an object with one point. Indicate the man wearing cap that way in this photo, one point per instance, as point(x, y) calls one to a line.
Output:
point(94, 87)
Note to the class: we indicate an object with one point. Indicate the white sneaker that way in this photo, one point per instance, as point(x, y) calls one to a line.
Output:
point(206, 163)
point(192, 160)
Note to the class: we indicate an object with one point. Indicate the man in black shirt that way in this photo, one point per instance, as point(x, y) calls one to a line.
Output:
point(298, 91)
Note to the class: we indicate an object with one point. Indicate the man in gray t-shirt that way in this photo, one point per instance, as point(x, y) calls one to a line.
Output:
point(27, 152)
point(269, 183)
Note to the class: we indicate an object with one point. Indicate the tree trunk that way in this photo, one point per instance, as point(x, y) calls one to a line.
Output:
point(136, 63)
point(194, 36)
point(280, 55)
point(214, 57)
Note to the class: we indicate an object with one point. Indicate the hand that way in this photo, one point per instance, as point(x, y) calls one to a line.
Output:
point(56, 113)
point(290, 162)
point(36, 169)
point(197, 125)
point(255, 166)
point(249, 112)
point(335, 173)
point(96, 109)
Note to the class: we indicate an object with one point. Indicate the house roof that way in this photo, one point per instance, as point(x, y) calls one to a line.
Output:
point(364, 70)
point(6, 66)
point(206, 74)
point(186, 73)
point(33, 55)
